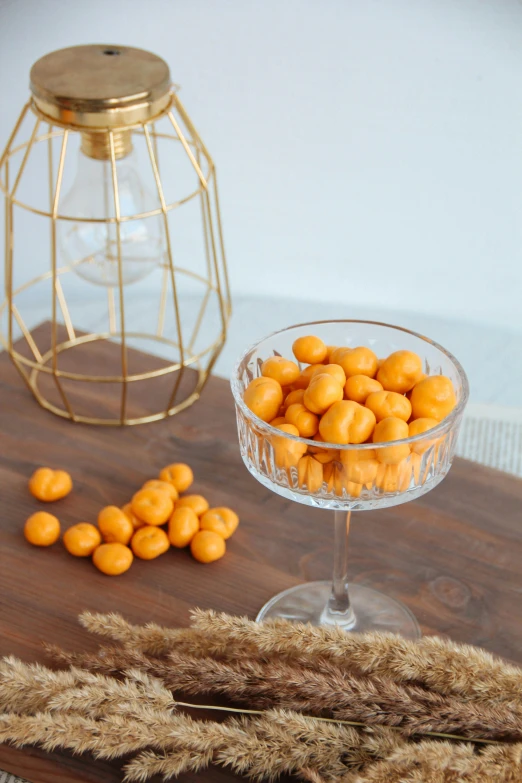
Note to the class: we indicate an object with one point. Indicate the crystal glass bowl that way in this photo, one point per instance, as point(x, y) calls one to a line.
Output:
point(347, 478)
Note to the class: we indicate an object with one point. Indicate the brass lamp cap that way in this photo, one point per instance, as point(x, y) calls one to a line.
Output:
point(100, 86)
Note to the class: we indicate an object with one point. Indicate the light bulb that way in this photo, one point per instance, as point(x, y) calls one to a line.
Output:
point(92, 248)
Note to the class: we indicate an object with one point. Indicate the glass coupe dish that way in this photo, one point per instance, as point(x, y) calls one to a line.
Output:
point(350, 478)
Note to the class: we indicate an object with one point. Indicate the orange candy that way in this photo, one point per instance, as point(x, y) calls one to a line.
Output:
point(385, 404)
point(152, 506)
point(418, 426)
point(277, 421)
point(359, 387)
point(287, 452)
point(294, 396)
point(183, 526)
point(335, 370)
point(42, 529)
point(310, 474)
point(221, 520)
point(81, 540)
point(282, 370)
point(131, 516)
point(49, 485)
point(112, 559)
point(360, 466)
point(207, 546)
point(323, 390)
point(322, 455)
point(307, 423)
point(309, 350)
point(356, 361)
point(346, 422)
point(387, 430)
point(433, 398)
point(179, 475)
point(264, 397)
point(400, 371)
point(114, 525)
point(197, 503)
point(306, 376)
point(149, 542)
point(163, 486)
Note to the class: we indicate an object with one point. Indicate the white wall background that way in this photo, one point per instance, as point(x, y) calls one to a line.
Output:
point(369, 151)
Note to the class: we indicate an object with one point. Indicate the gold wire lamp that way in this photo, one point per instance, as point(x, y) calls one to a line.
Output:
point(111, 195)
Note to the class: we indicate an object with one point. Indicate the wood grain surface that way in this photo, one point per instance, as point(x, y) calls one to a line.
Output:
point(453, 556)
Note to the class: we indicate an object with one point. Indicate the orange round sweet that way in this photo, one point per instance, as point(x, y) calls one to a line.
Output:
point(356, 361)
point(152, 506)
point(294, 396)
point(329, 351)
point(335, 370)
point(42, 529)
point(400, 371)
point(221, 520)
point(278, 420)
point(391, 429)
point(385, 404)
point(81, 540)
point(179, 475)
point(49, 485)
point(360, 466)
point(197, 503)
point(433, 398)
point(347, 422)
point(183, 526)
point(207, 546)
point(309, 350)
point(418, 426)
point(282, 370)
point(113, 558)
point(149, 542)
point(287, 452)
point(163, 486)
point(306, 375)
point(307, 423)
point(264, 397)
point(359, 387)
point(323, 390)
point(310, 474)
point(131, 516)
point(114, 525)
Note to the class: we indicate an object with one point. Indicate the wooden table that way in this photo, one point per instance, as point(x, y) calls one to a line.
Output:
point(454, 556)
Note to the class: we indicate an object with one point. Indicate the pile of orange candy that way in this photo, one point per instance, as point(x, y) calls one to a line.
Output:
point(137, 528)
point(343, 396)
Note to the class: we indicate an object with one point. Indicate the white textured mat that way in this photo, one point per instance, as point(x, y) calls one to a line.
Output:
point(492, 436)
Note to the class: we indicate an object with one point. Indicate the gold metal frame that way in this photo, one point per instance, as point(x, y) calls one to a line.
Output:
point(216, 279)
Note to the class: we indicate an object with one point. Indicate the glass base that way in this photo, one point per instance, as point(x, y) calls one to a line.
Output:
point(371, 610)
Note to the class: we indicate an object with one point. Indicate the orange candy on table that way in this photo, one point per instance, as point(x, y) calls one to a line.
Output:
point(152, 506)
point(417, 427)
point(113, 558)
point(163, 486)
point(385, 404)
point(282, 370)
point(433, 398)
point(220, 519)
point(264, 397)
point(287, 452)
point(323, 390)
point(179, 475)
point(358, 387)
point(356, 361)
point(114, 525)
point(387, 430)
point(48, 485)
point(307, 423)
point(197, 503)
point(400, 371)
point(183, 526)
point(346, 422)
point(81, 540)
point(309, 350)
point(149, 542)
point(42, 529)
point(207, 546)
point(131, 516)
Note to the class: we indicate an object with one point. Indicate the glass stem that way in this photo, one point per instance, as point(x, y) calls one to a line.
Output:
point(338, 610)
